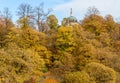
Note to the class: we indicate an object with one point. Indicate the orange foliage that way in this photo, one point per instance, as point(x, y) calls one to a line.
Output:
point(50, 80)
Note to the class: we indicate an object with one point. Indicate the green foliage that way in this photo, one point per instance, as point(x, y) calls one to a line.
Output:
point(100, 73)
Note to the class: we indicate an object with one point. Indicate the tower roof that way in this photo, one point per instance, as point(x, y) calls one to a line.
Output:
point(72, 18)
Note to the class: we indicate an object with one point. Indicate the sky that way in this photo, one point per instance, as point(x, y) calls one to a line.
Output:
point(61, 8)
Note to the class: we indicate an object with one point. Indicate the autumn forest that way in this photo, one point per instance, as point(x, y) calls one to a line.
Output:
point(37, 49)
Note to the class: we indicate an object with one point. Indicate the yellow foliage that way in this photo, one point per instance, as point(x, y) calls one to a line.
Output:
point(52, 21)
point(100, 73)
point(64, 39)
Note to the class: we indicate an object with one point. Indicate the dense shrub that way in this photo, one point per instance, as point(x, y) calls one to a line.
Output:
point(77, 77)
point(101, 73)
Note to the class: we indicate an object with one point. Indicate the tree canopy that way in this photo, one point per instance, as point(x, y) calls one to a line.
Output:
point(38, 50)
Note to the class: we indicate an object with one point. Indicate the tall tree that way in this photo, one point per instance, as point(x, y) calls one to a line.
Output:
point(92, 11)
point(52, 21)
point(64, 39)
point(64, 21)
point(6, 15)
point(1, 22)
point(93, 22)
point(25, 11)
point(110, 23)
point(40, 17)
point(5, 25)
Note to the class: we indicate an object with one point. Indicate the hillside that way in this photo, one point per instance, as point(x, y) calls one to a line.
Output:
point(73, 52)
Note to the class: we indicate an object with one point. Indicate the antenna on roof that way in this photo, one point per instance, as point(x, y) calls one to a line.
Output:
point(70, 11)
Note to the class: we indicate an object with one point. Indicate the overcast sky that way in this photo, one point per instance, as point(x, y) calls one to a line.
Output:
point(61, 8)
